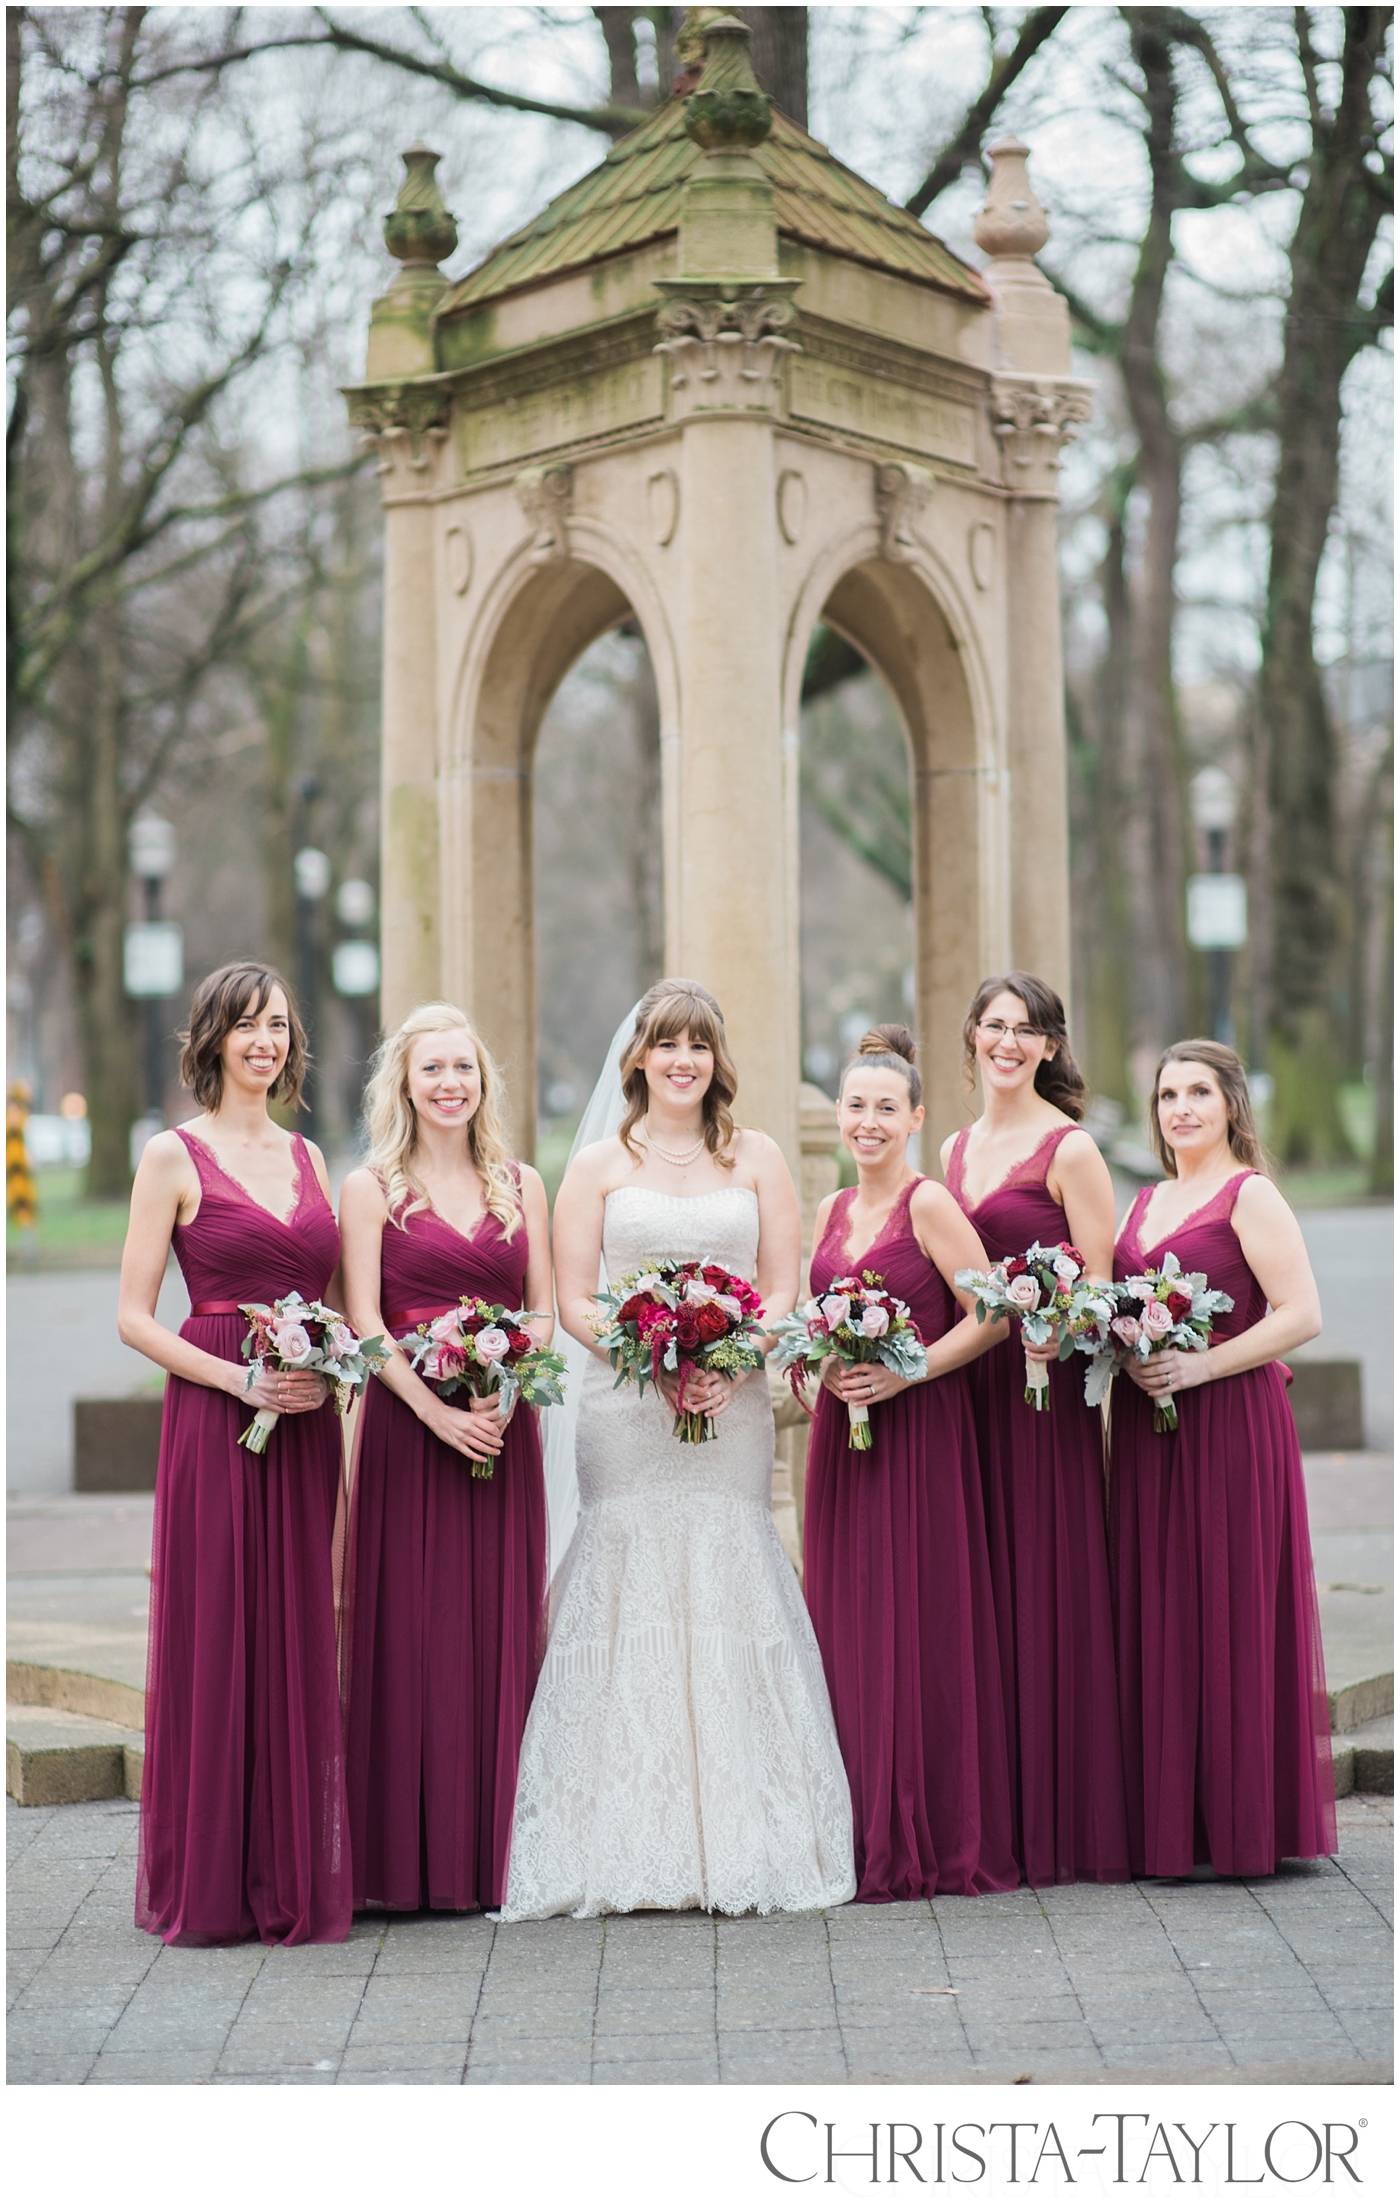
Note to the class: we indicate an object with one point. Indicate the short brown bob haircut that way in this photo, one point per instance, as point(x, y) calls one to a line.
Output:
point(220, 1001)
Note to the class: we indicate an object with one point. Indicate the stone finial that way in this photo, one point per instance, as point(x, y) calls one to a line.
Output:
point(727, 113)
point(420, 232)
point(1011, 224)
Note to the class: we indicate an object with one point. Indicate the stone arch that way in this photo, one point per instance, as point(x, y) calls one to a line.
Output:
point(539, 618)
point(906, 617)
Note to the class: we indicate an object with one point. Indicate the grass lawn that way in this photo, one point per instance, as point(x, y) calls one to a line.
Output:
point(73, 1233)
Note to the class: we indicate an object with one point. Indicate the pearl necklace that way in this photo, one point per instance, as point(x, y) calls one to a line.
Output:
point(678, 1162)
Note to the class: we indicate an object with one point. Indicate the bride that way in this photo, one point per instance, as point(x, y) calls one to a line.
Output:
point(680, 1750)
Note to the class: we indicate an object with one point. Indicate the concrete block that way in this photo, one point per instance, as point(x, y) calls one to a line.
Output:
point(1373, 1755)
point(116, 1444)
point(54, 1758)
point(34, 1684)
point(1326, 1401)
point(1362, 1701)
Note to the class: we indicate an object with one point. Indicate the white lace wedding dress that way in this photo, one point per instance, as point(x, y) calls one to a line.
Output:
point(680, 1749)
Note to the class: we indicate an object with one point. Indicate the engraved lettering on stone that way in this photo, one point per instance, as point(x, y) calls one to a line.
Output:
point(792, 504)
point(889, 413)
point(542, 420)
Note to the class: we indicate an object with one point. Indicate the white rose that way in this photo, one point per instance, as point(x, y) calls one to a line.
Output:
point(1023, 1292)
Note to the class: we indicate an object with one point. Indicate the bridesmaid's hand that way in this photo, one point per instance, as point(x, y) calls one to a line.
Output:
point(1050, 1352)
point(862, 1382)
point(1172, 1371)
point(290, 1392)
point(478, 1432)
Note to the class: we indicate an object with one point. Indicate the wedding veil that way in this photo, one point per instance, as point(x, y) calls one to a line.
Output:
point(604, 1113)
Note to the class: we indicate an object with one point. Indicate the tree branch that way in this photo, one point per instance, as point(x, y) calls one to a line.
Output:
point(966, 142)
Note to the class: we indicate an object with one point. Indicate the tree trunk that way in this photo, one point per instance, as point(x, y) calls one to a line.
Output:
point(1158, 855)
point(780, 56)
point(1110, 905)
point(109, 1023)
point(1323, 330)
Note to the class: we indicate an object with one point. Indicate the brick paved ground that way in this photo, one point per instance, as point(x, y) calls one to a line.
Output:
point(1286, 1979)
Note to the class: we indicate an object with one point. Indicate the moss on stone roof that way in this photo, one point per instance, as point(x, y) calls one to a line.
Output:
point(634, 197)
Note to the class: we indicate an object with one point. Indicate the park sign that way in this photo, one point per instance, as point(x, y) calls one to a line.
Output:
point(154, 958)
point(1217, 911)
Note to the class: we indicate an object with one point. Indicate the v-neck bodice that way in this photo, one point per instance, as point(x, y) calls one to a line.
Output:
point(1206, 1241)
point(1020, 1208)
point(236, 1249)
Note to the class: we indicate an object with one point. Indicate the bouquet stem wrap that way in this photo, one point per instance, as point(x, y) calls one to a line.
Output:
point(1037, 1384)
point(861, 1437)
point(260, 1430)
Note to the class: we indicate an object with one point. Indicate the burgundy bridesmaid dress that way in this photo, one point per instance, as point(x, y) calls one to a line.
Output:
point(1043, 1483)
point(243, 1829)
point(897, 1583)
point(445, 1592)
point(1225, 1726)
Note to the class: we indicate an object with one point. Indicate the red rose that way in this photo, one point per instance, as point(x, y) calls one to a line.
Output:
point(1016, 1267)
point(1180, 1306)
point(1073, 1254)
point(633, 1309)
point(521, 1343)
point(688, 1335)
point(711, 1322)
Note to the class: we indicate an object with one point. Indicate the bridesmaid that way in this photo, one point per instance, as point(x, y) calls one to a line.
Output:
point(1024, 1171)
point(243, 1800)
point(896, 1570)
point(1225, 1725)
point(445, 1577)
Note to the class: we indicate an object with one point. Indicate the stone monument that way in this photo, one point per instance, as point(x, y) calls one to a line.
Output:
point(723, 387)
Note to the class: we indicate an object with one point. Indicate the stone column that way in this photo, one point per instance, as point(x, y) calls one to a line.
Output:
point(1035, 403)
point(732, 902)
point(406, 420)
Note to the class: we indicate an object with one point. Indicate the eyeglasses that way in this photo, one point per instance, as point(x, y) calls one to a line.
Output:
point(996, 1031)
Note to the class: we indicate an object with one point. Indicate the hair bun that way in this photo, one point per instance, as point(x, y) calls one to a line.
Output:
point(888, 1040)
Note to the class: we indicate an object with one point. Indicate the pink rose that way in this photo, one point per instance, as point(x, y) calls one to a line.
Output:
point(1126, 1328)
point(431, 1364)
point(444, 1328)
point(875, 1323)
point(1023, 1293)
point(292, 1343)
point(342, 1341)
point(1156, 1319)
point(836, 1308)
point(733, 1309)
point(492, 1344)
point(1141, 1289)
point(1066, 1269)
point(697, 1293)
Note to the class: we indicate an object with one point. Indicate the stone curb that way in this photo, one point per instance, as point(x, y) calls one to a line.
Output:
point(55, 1758)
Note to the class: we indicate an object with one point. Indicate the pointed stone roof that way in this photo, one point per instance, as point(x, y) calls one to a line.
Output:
point(634, 197)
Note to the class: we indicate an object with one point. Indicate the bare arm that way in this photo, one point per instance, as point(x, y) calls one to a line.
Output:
point(1272, 1244)
point(578, 1242)
point(167, 1184)
point(539, 1271)
point(364, 1219)
point(1080, 1182)
point(334, 1295)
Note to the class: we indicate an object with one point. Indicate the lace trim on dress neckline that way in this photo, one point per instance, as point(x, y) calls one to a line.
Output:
point(300, 1159)
point(1057, 1133)
point(906, 1195)
point(1140, 1207)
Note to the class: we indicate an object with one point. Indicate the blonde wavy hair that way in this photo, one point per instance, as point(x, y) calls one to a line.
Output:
point(392, 1121)
point(670, 1008)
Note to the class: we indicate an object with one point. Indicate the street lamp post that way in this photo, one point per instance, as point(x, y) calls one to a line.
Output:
point(153, 951)
point(355, 977)
point(1217, 913)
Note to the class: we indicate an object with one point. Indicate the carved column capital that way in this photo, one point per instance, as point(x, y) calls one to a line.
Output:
point(545, 495)
point(724, 346)
point(1034, 417)
point(901, 493)
point(406, 424)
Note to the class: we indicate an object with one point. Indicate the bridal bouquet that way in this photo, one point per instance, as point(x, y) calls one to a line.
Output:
point(1170, 1307)
point(856, 1319)
point(1047, 1290)
point(293, 1334)
point(487, 1348)
point(681, 1317)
